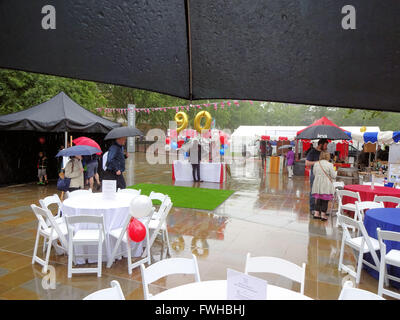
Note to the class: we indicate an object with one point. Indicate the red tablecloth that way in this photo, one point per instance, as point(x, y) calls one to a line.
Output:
point(367, 194)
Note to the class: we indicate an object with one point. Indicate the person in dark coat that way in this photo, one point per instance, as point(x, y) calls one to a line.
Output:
point(195, 157)
point(116, 163)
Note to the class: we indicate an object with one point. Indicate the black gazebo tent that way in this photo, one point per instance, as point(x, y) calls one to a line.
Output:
point(20, 133)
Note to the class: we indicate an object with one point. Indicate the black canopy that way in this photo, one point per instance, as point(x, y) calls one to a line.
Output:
point(273, 50)
point(59, 114)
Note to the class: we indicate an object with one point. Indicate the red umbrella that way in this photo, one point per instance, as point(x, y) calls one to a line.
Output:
point(85, 141)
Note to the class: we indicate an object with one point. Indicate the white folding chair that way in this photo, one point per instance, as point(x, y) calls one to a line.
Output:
point(347, 206)
point(277, 266)
point(168, 267)
point(383, 199)
point(130, 191)
point(88, 237)
point(362, 244)
point(391, 258)
point(350, 293)
point(338, 185)
point(122, 236)
point(50, 232)
point(157, 196)
point(48, 201)
point(113, 293)
point(78, 193)
point(362, 206)
point(158, 223)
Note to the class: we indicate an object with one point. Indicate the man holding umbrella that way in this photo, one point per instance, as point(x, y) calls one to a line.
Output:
point(313, 157)
point(116, 157)
point(116, 163)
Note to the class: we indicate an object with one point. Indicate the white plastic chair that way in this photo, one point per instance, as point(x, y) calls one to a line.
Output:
point(168, 267)
point(113, 293)
point(130, 191)
point(277, 266)
point(50, 232)
point(338, 185)
point(350, 293)
point(391, 258)
point(383, 199)
point(89, 237)
point(362, 206)
point(158, 223)
point(157, 196)
point(78, 193)
point(362, 244)
point(48, 201)
point(122, 236)
point(347, 206)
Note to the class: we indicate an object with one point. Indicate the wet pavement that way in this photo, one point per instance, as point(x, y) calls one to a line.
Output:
point(268, 215)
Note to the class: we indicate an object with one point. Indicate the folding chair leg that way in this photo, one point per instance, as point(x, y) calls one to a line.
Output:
point(99, 257)
point(70, 258)
point(382, 277)
point(341, 254)
point(47, 255)
point(128, 245)
point(359, 265)
point(168, 244)
point(36, 246)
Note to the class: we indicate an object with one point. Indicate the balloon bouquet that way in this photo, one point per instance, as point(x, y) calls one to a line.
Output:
point(177, 141)
point(141, 206)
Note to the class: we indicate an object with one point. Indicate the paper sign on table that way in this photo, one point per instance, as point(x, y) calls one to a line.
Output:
point(109, 188)
point(241, 286)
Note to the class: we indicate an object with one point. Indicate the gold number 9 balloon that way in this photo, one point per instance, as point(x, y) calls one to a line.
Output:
point(182, 121)
point(199, 117)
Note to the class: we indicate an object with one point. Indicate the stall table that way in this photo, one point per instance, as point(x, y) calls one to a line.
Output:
point(388, 219)
point(368, 194)
point(209, 171)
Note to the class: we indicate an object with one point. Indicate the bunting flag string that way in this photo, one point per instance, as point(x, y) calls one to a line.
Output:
point(215, 105)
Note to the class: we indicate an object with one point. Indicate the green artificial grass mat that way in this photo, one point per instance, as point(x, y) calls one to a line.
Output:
point(187, 197)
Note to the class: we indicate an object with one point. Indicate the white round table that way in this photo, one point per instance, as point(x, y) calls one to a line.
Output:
point(114, 212)
point(217, 290)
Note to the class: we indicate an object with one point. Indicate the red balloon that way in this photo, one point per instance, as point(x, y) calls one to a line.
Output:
point(136, 230)
point(167, 141)
point(222, 139)
point(42, 140)
point(180, 143)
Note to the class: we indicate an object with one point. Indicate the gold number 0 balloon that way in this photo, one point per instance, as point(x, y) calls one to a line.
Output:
point(197, 121)
point(181, 119)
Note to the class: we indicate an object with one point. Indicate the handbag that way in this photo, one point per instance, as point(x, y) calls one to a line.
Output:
point(63, 183)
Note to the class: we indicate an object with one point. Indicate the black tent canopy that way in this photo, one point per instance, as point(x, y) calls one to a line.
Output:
point(272, 50)
point(59, 114)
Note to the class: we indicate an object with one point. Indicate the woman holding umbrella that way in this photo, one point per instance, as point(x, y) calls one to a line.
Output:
point(74, 171)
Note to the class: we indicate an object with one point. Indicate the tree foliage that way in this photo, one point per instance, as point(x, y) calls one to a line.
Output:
point(20, 90)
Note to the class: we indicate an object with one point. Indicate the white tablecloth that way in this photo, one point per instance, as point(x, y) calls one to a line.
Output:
point(114, 212)
point(217, 290)
point(209, 172)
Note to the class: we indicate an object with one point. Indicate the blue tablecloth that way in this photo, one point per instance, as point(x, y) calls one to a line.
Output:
point(387, 219)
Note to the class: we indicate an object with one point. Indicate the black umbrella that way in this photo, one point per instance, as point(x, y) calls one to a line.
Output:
point(323, 132)
point(269, 50)
point(78, 151)
point(123, 132)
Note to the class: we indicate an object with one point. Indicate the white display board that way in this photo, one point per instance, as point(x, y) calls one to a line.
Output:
point(394, 153)
point(109, 189)
point(241, 286)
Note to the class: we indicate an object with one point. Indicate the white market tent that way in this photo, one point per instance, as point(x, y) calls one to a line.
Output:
point(250, 134)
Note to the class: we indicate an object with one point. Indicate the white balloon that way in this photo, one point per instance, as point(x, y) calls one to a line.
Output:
point(141, 206)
